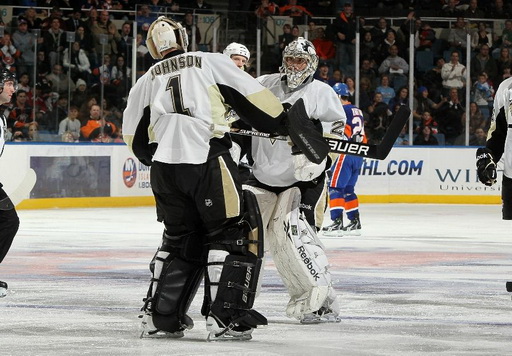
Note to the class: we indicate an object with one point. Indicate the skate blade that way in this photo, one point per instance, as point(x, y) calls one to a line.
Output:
point(229, 336)
point(161, 335)
point(3, 293)
point(333, 233)
point(352, 233)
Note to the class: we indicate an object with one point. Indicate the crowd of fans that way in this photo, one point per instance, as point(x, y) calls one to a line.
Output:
point(72, 75)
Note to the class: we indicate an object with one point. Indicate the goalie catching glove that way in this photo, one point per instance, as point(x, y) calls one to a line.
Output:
point(486, 168)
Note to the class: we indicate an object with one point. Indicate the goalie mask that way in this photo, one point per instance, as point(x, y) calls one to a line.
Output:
point(299, 62)
point(164, 34)
point(7, 76)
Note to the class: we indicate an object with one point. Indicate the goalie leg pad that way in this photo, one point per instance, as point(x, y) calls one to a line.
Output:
point(177, 273)
point(299, 257)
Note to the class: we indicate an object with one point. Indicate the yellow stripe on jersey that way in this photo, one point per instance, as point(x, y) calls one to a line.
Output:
point(231, 197)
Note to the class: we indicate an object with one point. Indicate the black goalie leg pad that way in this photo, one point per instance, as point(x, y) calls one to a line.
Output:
point(236, 293)
point(176, 289)
point(254, 225)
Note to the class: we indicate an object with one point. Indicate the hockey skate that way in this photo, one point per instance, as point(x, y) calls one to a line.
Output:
point(335, 229)
point(232, 332)
point(354, 228)
point(148, 330)
point(3, 289)
point(323, 315)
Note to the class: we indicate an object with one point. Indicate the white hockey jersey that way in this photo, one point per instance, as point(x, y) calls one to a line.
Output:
point(178, 100)
point(499, 137)
point(273, 161)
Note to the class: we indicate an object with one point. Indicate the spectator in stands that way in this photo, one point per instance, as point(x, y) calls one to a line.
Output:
point(422, 103)
point(479, 138)
point(365, 95)
point(21, 114)
point(77, 62)
point(121, 79)
point(298, 13)
point(30, 15)
point(385, 89)
point(105, 27)
point(112, 114)
point(427, 120)
point(476, 118)
point(380, 30)
point(505, 41)
point(85, 109)
point(313, 31)
point(59, 80)
point(368, 71)
point(405, 27)
point(499, 10)
point(378, 121)
point(336, 77)
point(433, 80)
point(368, 46)
point(480, 37)
point(324, 47)
point(124, 44)
point(43, 89)
point(403, 137)
point(426, 37)
point(70, 125)
point(85, 39)
point(401, 99)
point(484, 62)
point(96, 125)
point(74, 20)
point(483, 94)
point(351, 87)
point(286, 38)
point(473, 11)
point(344, 28)
point(425, 138)
point(450, 117)
point(24, 41)
point(189, 23)
point(144, 18)
point(322, 73)
point(503, 61)
point(265, 9)
point(79, 96)
point(24, 84)
point(9, 54)
point(54, 41)
point(33, 132)
point(451, 9)
point(395, 67)
point(55, 13)
point(201, 7)
point(383, 48)
point(453, 74)
point(58, 112)
point(457, 36)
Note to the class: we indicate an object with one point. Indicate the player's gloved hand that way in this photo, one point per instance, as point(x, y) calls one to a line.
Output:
point(485, 166)
point(282, 128)
point(305, 170)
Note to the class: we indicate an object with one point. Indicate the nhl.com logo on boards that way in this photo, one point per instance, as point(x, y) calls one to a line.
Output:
point(135, 172)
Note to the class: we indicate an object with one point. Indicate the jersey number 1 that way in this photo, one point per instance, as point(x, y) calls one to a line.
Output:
point(174, 85)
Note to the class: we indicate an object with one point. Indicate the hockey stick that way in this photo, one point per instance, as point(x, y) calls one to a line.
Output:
point(379, 151)
point(24, 188)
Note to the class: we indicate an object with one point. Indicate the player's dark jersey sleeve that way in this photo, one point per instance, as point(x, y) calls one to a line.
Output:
point(497, 135)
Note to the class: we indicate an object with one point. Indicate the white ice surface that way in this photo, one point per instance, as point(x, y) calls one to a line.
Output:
point(422, 279)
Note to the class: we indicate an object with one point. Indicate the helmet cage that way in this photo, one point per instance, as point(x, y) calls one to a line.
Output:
point(164, 34)
point(300, 48)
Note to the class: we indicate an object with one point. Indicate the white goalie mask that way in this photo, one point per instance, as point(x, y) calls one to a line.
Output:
point(237, 49)
point(297, 53)
point(164, 34)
